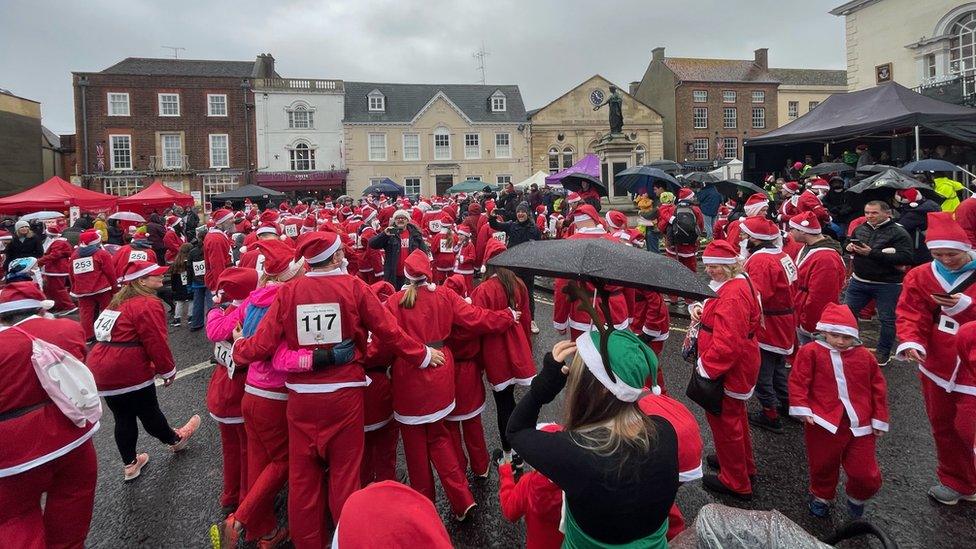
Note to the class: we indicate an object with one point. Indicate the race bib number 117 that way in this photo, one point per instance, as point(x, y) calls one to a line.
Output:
point(318, 323)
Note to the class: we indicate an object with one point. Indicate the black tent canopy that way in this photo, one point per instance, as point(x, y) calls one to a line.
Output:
point(254, 192)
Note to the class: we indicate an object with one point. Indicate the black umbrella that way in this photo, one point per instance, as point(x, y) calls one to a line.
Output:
point(930, 165)
point(829, 167)
point(665, 165)
point(730, 187)
point(895, 179)
point(639, 179)
point(573, 181)
point(387, 186)
point(878, 168)
point(700, 177)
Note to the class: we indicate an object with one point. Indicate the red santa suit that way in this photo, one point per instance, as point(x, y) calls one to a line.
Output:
point(845, 396)
point(465, 259)
point(216, 250)
point(423, 397)
point(728, 347)
point(442, 247)
point(810, 202)
point(93, 279)
point(537, 499)
point(948, 385)
point(389, 514)
point(55, 267)
point(684, 253)
point(772, 272)
point(325, 406)
point(127, 254)
point(62, 462)
point(820, 275)
point(371, 264)
point(652, 321)
point(172, 242)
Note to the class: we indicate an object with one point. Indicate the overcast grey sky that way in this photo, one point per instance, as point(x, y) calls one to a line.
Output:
point(544, 46)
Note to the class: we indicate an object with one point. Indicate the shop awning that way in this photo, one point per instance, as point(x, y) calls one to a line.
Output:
point(287, 181)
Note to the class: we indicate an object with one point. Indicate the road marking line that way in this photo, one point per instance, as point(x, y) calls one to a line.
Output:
point(187, 371)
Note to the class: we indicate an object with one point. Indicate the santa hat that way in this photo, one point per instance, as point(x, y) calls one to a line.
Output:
point(400, 213)
point(755, 203)
point(416, 268)
point(798, 165)
point(456, 284)
point(89, 237)
point(586, 212)
point(759, 228)
point(540, 209)
point(631, 362)
point(268, 216)
point(238, 216)
point(135, 270)
point(573, 197)
point(172, 221)
point(685, 193)
point(5, 235)
point(791, 187)
point(52, 230)
point(390, 514)
point(908, 196)
point(464, 230)
point(235, 284)
point(318, 246)
point(22, 296)
point(944, 232)
point(221, 216)
point(819, 184)
point(838, 319)
point(267, 228)
point(447, 220)
point(474, 208)
point(805, 222)
point(492, 248)
point(616, 220)
point(720, 252)
point(308, 224)
point(279, 259)
point(382, 289)
point(368, 213)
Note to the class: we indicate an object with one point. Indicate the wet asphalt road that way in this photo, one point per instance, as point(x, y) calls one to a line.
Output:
point(176, 499)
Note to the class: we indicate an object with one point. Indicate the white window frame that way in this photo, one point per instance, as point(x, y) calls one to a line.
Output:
point(503, 151)
point(567, 150)
point(554, 159)
point(472, 152)
point(758, 118)
point(379, 106)
point(166, 165)
point(159, 101)
point(108, 104)
point(376, 157)
point(700, 145)
point(640, 155)
point(407, 186)
point(405, 147)
point(439, 150)
point(210, 104)
point(293, 160)
point(121, 186)
point(308, 112)
point(695, 118)
point(226, 150)
point(726, 141)
point(218, 183)
point(503, 179)
point(499, 103)
point(792, 109)
point(111, 149)
point(730, 123)
point(699, 96)
point(728, 96)
point(758, 96)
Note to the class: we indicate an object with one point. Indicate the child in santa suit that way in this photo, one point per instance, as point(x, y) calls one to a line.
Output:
point(837, 388)
point(172, 240)
point(55, 266)
point(93, 279)
point(389, 514)
point(226, 389)
point(652, 323)
point(138, 249)
point(43, 452)
point(535, 498)
point(464, 263)
point(442, 247)
point(422, 398)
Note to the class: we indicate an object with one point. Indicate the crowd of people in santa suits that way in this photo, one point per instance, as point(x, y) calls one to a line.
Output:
point(376, 332)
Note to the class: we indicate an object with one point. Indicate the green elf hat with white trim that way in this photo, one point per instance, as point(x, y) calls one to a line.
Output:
point(631, 362)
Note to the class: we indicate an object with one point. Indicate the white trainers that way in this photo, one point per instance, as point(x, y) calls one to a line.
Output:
point(134, 469)
point(947, 496)
point(534, 328)
point(185, 432)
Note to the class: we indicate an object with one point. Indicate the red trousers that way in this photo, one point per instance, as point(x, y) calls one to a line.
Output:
point(89, 307)
point(233, 444)
point(733, 445)
point(469, 282)
point(64, 521)
point(431, 443)
point(474, 442)
point(826, 453)
point(267, 462)
point(954, 429)
point(379, 455)
point(441, 276)
point(56, 289)
point(324, 429)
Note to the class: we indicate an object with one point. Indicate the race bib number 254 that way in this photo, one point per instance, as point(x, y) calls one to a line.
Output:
point(318, 323)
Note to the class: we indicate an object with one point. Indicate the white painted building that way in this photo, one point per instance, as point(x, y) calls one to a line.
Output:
point(298, 126)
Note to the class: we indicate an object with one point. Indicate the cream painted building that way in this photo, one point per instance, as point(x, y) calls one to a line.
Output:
point(568, 127)
point(802, 90)
point(912, 42)
point(428, 137)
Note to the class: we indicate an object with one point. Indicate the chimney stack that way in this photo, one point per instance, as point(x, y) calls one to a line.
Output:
point(264, 66)
point(633, 88)
point(657, 54)
point(762, 58)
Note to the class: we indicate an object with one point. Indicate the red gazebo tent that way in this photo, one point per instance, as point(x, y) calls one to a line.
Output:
point(154, 197)
point(56, 194)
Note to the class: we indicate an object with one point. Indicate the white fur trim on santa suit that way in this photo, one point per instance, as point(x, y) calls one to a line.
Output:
point(692, 474)
point(426, 418)
point(378, 425)
point(227, 420)
point(594, 363)
point(655, 335)
point(524, 381)
point(265, 393)
point(37, 462)
point(326, 387)
point(25, 304)
point(465, 417)
point(949, 244)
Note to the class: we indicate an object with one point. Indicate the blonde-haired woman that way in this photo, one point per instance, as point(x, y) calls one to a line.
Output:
point(728, 350)
point(617, 466)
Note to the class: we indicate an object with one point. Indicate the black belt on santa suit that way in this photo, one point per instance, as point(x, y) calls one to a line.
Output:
point(436, 344)
point(778, 312)
point(17, 412)
point(706, 328)
point(120, 343)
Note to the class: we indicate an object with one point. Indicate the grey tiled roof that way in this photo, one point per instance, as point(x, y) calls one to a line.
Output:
point(181, 67)
point(52, 138)
point(810, 77)
point(692, 69)
point(404, 101)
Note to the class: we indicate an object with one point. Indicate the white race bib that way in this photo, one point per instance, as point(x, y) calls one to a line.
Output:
point(83, 265)
point(225, 357)
point(104, 324)
point(405, 242)
point(790, 269)
point(184, 279)
point(434, 226)
point(138, 255)
point(199, 268)
point(291, 230)
point(318, 323)
point(446, 247)
point(499, 236)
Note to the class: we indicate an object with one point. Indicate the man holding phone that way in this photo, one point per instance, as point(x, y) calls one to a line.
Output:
point(882, 251)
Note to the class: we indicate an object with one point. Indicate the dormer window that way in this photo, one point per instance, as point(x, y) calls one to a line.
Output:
point(377, 102)
point(498, 102)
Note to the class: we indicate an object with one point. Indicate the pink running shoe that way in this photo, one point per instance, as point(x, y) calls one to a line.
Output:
point(185, 432)
point(134, 469)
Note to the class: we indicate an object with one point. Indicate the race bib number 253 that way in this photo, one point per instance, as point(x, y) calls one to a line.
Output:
point(318, 323)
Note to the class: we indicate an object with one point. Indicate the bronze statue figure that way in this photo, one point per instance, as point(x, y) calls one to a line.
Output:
point(616, 110)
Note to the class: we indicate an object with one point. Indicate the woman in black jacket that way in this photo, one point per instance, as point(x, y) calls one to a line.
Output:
point(398, 241)
point(523, 229)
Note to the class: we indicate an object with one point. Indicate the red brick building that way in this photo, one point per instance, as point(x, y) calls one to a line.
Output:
point(188, 123)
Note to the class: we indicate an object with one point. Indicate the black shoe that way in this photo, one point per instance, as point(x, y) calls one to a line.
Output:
point(712, 483)
point(761, 420)
point(517, 462)
point(884, 359)
point(497, 456)
point(712, 461)
point(196, 328)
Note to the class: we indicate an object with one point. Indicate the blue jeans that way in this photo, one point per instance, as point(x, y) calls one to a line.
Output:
point(709, 223)
point(885, 296)
point(202, 303)
point(652, 241)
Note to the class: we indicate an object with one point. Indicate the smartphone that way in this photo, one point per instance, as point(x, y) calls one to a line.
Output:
point(854, 241)
point(942, 295)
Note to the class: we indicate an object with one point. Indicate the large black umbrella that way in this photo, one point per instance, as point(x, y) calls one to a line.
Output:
point(666, 165)
point(894, 180)
point(253, 192)
point(387, 186)
point(930, 165)
point(700, 177)
point(639, 179)
point(573, 182)
point(730, 187)
point(878, 168)
point(829, 167)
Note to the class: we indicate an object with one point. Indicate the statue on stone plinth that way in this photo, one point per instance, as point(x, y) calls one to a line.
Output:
point(616, 111)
